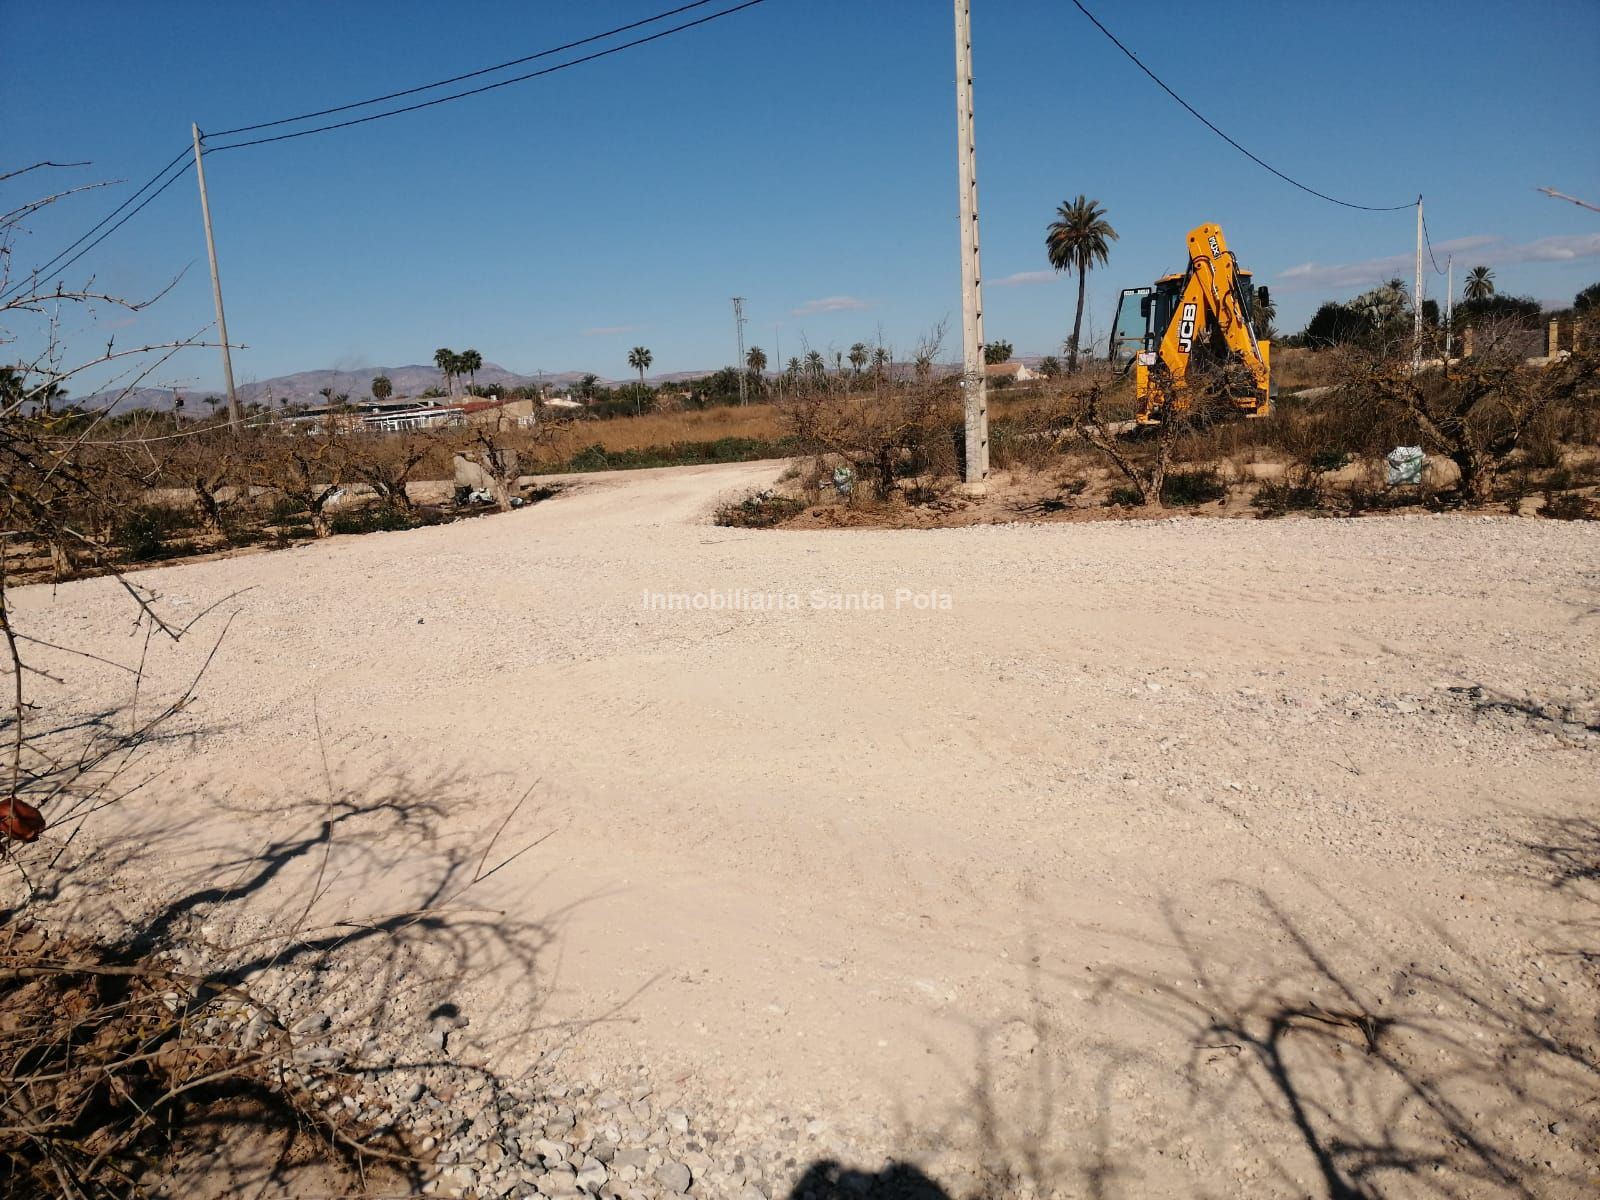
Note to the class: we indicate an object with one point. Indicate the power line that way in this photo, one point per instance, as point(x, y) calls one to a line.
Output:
point(489, 87)
point(56, 263)
point(1253, 158)
point(50, 266)
point(425, 87)
point(171, 179)
point(1428, 242)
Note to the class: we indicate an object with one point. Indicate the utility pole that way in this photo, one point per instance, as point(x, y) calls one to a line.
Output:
point(1449, 305)
point(973, 384)
point(738, 327)
point(1416, 299)
point(216, 282)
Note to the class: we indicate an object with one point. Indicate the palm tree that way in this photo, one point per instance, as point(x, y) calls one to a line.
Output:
point(858, 357)
point(793, 370)
point(1479, 285)
point(1077, 240)
point(816, 367)
point(445, 359)
point(470, 362)
point(586, 386)
point(756, 361)
point(382, 389)
point(639, 358)
point(1266, 310)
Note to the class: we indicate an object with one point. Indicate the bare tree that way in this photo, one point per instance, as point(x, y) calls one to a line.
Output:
point(1475, 411)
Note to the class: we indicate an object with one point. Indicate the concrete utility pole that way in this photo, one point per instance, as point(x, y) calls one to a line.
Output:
point(1449, 305)
point(216, 282)
point(973, 383)
point(738, 327)
point(1416, 299)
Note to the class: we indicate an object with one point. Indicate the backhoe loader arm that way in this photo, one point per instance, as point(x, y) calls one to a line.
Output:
point(1213, 306)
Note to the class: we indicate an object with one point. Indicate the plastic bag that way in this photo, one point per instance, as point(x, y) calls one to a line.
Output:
point(1404, 465)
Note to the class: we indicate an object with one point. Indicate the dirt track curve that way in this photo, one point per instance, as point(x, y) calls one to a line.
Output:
point(1150, 858)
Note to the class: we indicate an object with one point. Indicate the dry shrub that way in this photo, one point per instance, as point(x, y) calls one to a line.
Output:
point(111, 1066)
point(902, 429)
point(1031, 436)
point(1145, 454)
point(1475, 411)
point(308, 467)
point(387, 462)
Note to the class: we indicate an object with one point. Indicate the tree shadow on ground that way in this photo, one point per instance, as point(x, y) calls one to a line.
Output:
point(1445, 1078)
point(1305, 1053)
point(267, 1014)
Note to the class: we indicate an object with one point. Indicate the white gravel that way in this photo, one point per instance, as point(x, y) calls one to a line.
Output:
point(1073, 869)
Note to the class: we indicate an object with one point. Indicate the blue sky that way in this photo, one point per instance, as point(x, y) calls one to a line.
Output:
point(800, 154)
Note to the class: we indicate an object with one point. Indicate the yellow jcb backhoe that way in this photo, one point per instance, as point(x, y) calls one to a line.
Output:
point(1187, 322)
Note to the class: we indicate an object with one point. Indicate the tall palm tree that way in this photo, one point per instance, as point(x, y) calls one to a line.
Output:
point(470, 363)
point(1077, 240)
point(445, 359)
point(1479, 285)
point(858, 357)
point(639, 358)
point(816, 367)
point(756, 361)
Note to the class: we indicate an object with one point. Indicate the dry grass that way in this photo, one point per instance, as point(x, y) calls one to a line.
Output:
point(1296, 367)
point(662, 429)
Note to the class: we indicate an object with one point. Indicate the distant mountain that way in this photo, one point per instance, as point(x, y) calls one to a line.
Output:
point(305, 387)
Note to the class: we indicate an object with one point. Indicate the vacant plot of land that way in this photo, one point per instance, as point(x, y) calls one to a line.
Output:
point(1132, 859)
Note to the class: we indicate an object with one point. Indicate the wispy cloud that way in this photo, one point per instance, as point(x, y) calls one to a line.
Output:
point(609, 330)
point(1489, 249)
point(830, 304)
point(1022, 278)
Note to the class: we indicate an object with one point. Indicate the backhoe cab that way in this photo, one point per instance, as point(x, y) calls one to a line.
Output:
point(1200, 321)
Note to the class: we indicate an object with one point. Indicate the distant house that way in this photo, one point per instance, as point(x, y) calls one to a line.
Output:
point(1012, 370)
point(430, 417)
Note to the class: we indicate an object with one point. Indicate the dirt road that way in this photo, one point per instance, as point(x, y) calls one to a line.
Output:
point(1129, 859)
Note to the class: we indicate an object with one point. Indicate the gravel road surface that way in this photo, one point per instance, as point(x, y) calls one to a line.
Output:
point(1143, 858)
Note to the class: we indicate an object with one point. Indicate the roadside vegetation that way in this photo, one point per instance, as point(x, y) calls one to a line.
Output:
point(1499, 432)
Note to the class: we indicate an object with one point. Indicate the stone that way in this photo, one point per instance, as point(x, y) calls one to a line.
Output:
point(674, 1176)
point(559, 1183)
point(550, 1152)
point(591, 1176)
